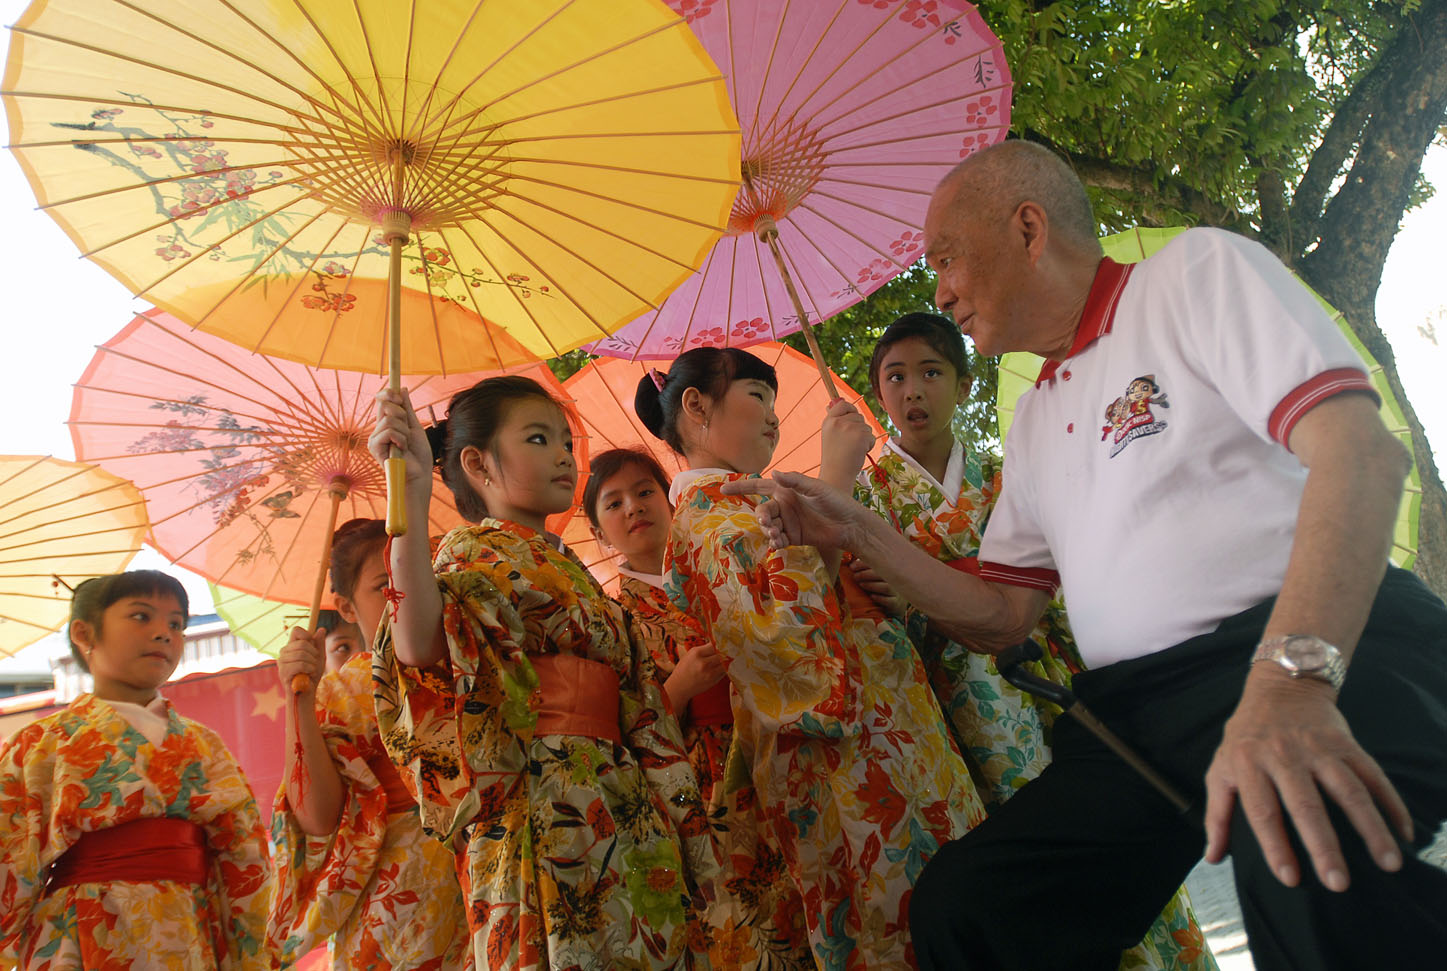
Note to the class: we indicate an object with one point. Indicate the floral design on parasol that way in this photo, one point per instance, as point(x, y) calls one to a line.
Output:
point(1018, 371)
point(555, 172)
point(602, 393)
point(245, 461)
point(851, 112)
point(552, 169)
point(60, 523)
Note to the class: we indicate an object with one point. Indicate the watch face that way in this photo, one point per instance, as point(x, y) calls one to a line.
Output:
point(1305, 653)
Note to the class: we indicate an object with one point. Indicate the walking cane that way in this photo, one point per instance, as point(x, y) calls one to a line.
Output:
point(1011, 665)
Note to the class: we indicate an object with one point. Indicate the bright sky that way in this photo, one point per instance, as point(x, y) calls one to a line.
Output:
point(61, 306)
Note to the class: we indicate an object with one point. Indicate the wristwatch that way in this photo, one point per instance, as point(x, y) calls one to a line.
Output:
point(1304, 656)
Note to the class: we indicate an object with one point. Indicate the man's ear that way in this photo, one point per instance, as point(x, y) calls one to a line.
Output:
point(1031, 226)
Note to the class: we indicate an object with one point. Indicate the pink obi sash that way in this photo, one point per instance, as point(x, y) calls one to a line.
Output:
point(711, 706)
point(140, 851)
point(399, 800)
point(579, 697)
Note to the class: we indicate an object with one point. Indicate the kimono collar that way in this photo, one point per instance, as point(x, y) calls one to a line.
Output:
point(654, 580)
point(688, 477)
point(954, 468)
point(525, 532)
point(1099, 314)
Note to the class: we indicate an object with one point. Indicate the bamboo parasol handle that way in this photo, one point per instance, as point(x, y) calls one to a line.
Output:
point(768, 232)
point(338, 488)
point(396, 224)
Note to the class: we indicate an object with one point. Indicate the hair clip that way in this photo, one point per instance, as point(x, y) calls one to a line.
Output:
point(657, 377)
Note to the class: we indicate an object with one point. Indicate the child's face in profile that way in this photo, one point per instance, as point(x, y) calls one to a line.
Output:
point(343, 642)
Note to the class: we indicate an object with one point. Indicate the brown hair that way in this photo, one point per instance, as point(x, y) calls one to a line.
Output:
point(473, 418)
point(93, 596)
point(605, 465)
point(352, 544)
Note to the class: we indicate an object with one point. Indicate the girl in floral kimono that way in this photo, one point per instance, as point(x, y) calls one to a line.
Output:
point(128, 835)
point(510, 689)
point(352, 861)
point(939, 494)
point(857, 779)
point(757, 918)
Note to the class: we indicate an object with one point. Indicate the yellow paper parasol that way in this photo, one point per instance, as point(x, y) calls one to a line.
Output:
point(515, 178)
point(60, 523)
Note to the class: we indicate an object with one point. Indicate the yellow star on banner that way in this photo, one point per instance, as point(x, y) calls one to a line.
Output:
point(268, 702)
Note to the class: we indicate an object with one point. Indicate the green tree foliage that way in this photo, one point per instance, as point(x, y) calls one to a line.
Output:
point(1301, 124)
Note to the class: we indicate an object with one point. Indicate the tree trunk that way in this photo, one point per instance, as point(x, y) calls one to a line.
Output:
point(1409, 94)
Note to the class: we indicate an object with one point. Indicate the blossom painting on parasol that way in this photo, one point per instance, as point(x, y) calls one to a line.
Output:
point(851, 113)
point(245, 461)
point(298, 175)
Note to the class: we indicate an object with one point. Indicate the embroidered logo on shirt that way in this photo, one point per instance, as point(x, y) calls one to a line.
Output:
point(1130, 416)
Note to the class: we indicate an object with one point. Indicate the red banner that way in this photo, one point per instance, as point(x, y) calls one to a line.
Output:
point(247, 708)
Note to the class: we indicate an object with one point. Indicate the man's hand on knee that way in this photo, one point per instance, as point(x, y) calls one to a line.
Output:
point(1285, 747)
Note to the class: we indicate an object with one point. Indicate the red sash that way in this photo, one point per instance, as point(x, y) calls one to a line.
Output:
point(141, 851)
point(399, 799)
point(965, 564)
point(579, 697)
point(861, 604)
point(711, 706)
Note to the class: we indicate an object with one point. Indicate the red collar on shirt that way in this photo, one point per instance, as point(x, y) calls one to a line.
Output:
point(1099, 313)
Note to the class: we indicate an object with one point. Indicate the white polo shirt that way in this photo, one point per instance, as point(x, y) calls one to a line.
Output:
point(1147, 474)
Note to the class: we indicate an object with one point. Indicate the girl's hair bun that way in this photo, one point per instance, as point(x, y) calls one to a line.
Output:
point(648, 402)
point(437, 439)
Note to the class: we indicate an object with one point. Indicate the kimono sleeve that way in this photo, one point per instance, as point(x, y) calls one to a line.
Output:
point(461, 727)
point(773, 615)
point(241, 860)
point(321, 879)
point(26, 762)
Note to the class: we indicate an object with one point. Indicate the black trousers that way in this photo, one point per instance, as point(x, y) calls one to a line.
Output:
point(1075, 867)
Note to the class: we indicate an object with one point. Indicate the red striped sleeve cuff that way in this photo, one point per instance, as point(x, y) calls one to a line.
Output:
point(1309, 394)
point(1036, 578)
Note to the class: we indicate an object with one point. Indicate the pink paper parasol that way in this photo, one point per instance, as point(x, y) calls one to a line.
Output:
point(852, 111)
point(246, 461)
point(603, 395)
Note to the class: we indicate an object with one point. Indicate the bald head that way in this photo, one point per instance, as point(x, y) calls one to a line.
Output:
point(994, 182)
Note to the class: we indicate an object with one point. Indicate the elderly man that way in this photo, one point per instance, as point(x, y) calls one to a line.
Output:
point(1201, 468)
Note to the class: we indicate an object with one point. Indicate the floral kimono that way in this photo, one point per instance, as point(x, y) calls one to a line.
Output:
point(387, 891)
point(540, 749)
point(1003, 732)
point(756, 920)
point(857, 778)
point(86, 770)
